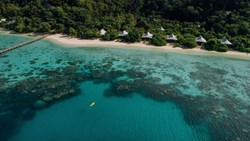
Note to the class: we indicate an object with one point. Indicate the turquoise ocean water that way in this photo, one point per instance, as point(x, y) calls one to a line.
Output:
point(46, 90)
point(7, 40)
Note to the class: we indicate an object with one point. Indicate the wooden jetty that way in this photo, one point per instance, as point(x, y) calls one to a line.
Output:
point(22, 44)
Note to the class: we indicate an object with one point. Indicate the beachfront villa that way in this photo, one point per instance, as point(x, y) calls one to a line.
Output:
point(200, 40)
point(2, 20)
point(123, 33)
point(102, 32)
point(147, 35)
point(224, 41)
point(171, 37)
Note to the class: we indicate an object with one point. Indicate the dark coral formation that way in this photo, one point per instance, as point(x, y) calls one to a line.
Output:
point(223, 116)
point(33, 93)
point(227, 118)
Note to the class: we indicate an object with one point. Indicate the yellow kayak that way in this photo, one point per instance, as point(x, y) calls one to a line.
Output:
point(92, 104)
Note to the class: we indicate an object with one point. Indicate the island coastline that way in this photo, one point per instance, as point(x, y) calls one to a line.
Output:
point(76, 42)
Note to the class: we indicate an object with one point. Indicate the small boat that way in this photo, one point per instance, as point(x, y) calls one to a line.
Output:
point(92, 104)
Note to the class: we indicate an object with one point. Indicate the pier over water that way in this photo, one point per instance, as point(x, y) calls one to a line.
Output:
point(22, 44)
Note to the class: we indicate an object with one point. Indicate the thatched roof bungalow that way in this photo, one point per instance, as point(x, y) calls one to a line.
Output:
point(147, 35)
point(224, 41)
point(123, 33)
point(3, 20)
point(172, 37)
point(102, 32)
point(200, 39)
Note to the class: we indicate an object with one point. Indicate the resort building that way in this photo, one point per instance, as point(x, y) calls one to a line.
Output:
point(2, 20)
point(11, 22)
point(171, 37)
point(123, 33)
point(200, 40)
point(102, 32)
point(224, 41)
point(147, 35)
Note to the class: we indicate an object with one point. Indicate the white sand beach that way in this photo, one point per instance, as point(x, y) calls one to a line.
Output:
point(74, 42)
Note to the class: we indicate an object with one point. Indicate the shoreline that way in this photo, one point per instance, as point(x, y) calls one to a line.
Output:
point(75, 42)
point(30, 35)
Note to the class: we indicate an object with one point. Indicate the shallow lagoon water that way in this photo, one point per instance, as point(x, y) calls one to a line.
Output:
point(7, 40)
point(139, 95)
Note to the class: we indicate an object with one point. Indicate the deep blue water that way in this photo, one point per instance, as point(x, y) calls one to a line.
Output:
point(139, 94)
point(111, 119)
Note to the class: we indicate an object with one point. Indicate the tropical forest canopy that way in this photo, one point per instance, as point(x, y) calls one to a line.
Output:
point(213, 19)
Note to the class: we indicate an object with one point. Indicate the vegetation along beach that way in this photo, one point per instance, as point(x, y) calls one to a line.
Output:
point(124, 70)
